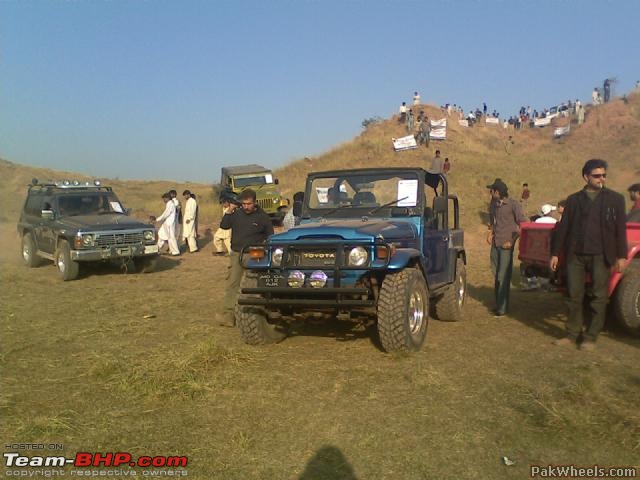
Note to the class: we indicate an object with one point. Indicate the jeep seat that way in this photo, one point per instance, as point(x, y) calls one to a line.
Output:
point(365, 198)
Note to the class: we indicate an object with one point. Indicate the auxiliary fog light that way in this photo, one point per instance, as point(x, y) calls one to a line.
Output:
point(318, 279)
point(296, 279)
point(358, 256)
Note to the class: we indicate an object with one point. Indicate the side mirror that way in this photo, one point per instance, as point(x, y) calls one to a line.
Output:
point(440, 205)
point(128, 211)
point(276, 181)
point(47, 214)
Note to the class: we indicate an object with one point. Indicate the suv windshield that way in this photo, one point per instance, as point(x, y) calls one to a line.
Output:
point(350, 194)
point(241, 182)
point(88, 203)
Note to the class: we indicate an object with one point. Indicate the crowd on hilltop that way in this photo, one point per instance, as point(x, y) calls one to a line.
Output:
point(526, 116)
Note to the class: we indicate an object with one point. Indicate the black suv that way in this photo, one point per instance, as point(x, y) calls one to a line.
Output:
point(77, 222)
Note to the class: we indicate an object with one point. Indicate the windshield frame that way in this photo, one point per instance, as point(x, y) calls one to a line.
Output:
point(348, 210)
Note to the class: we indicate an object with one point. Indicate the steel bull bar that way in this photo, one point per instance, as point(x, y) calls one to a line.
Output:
point(317, 297)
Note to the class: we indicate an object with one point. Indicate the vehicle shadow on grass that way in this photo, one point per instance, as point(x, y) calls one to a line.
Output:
point(328, 463)
point(342, 331)
point(163, 263)
point(539, 310)
point(543, 310)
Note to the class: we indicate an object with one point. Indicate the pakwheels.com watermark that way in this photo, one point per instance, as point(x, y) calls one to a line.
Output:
point(573, 471)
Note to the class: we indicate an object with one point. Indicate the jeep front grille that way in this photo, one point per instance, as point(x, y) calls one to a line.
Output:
point(108, 239)
point(312, 258)
point(265, 203)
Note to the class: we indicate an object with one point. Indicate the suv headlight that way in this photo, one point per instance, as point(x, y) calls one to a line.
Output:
point(149, 236)
point(88, 240)
point(276, 257)
point(358, 256)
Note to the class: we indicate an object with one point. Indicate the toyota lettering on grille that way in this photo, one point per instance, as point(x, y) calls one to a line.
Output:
point(319, 255)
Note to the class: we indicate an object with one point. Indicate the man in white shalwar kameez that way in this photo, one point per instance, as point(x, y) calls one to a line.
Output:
point(178, 220)
point(189, 221)
point(167, 231)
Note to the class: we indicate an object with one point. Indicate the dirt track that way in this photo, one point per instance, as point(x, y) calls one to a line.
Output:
point(83, 367)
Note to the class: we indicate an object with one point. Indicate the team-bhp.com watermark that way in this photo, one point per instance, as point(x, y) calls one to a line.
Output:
point(101, 465)
point(573, 471)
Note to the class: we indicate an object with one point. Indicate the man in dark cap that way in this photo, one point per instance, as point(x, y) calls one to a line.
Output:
point(505, 216)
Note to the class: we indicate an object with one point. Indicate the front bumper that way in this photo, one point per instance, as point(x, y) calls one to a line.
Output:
point(113, 251)
point(316, 297)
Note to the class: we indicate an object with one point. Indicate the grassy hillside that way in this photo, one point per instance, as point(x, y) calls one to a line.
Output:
point(479, 154)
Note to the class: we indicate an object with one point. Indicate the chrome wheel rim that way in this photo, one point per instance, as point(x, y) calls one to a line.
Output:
point(26, 252)
point(461, 290)
point(416, 312)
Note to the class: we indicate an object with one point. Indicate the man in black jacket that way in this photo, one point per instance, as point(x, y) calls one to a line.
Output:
point(592, 235)
point(249, 225)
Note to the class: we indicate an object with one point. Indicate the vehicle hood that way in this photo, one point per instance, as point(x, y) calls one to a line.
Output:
point(103, 222)
point(385, 230)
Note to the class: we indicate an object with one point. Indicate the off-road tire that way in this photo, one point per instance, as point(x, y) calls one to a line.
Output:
point(398, 291)
point(29, 256)
point(252, 320)
point(145, 264)
point(67, 268)
point(626, 302)
point(449, 307)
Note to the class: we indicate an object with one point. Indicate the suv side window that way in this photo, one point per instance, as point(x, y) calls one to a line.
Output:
point(34, 205)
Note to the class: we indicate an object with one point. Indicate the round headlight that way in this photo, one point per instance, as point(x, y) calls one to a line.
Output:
point(318, 279)
point(296, 279)
point(87, 240)
point(149, 236)
point(276, 256)
point(358, 256)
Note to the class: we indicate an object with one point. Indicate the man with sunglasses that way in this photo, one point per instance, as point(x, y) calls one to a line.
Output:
point(250, 225)
point(592, 235)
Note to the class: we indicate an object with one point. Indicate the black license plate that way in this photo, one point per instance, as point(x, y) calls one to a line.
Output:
point(271, 280)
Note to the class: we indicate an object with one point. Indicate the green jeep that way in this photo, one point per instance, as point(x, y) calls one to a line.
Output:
point(256, 178)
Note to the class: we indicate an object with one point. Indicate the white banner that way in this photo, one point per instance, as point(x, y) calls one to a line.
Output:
point(439, 123)
point(492, 120)
point(404, 143)
point(560, 131)
point(542, 122)
point(463, 123)
point(438, 133)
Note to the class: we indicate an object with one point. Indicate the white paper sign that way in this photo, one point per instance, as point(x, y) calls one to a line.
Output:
point(542, 122)
point(404, 143)
point(492, 121)
point(268, 178)
point(323, 194)
point(463, 123)
point(407, 193)
point(116, 207)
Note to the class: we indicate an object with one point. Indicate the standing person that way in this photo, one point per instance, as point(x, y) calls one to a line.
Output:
point(403, 112)
point(505, 215)
point(410, 122)
point(249, 225)
point(436, 164)
point(416, 98)
point(446, 166)
point(189, 221)
point(178, 227)
point(167, 231)
point(580, 110)
point(298, 203)
point(524, 197)
point(222, 238)
point(607, 90)
point(634, 196)
point(592, 234)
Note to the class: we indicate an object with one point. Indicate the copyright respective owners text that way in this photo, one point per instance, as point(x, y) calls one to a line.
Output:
point(50, 460)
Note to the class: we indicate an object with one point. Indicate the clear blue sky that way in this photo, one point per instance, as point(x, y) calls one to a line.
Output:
point(177, 89)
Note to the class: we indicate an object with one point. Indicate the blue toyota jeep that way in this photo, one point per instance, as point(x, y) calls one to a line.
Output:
point(373, 245)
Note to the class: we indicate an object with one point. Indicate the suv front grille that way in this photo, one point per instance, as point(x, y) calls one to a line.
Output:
point(108, 239)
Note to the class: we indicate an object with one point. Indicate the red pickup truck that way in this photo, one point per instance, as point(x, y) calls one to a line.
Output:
point(624, 288)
